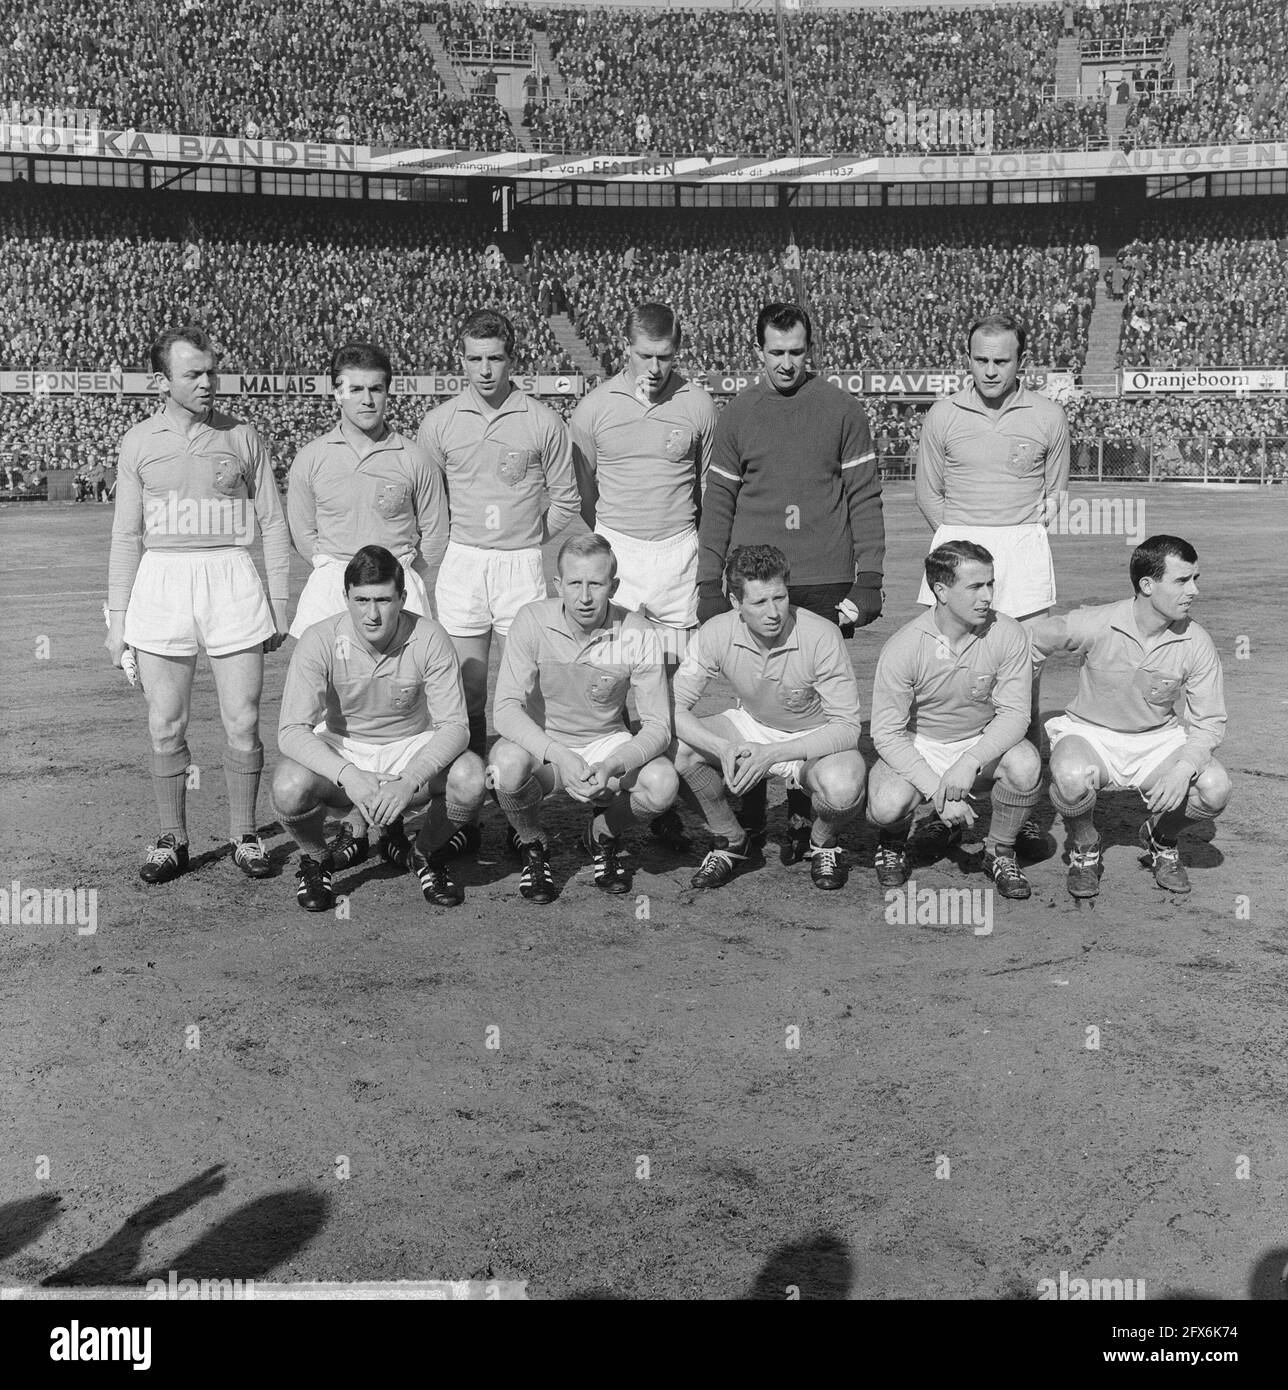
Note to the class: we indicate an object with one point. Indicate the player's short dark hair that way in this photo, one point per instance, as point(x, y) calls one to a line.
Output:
point(190, 333)
point(373, 564)
point(1149, 559)
point(485, 324)
point(993, 325)
point(759, 562)
point(783, 317)
point(584, 546)
point(943, 560)
point(654, 321)
point(362, 357)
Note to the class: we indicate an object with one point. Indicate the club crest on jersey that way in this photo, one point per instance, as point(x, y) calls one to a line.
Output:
point(1024, 454)
point(404, 697)
point(677, 444)
point(606, 688)
point(513, 467)
point(1158, 687)
point(981, 686)
point(799, 700)
point(229, 474)
point(392, 499)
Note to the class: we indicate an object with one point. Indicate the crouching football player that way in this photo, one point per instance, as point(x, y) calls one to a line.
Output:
point(373, 717)
point(1139, 656)
point(560, 695)
point(797, 718)
point(950, 703)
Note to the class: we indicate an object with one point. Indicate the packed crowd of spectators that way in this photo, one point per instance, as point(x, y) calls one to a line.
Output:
point(1182, 437)
point(645, 79)
point(278, 283)
point(1207, 286)
point(888, 289)
point(330, 70)
point(707, 81)
point(1240, 72)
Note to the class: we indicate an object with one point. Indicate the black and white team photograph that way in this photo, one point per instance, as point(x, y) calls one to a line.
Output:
point(642, 667)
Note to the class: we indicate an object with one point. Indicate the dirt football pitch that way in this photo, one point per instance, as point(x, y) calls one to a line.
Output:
point(661, 1095)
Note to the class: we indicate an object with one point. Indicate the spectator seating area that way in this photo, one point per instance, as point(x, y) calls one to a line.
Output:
point(696, 81)
point(1207, 285)
point(278, 283)
point(329, 70)
point(884, 287)
point(648, 78)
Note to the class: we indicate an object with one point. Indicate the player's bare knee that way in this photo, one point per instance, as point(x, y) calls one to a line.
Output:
point(1213, 787)
point(1021, 766)
point(888, 804)
point(658, 783)
point(509, 766)
point(1071, 775)
point(293, 789)
point(466, 779)
point(839, 780)
point(241, 726)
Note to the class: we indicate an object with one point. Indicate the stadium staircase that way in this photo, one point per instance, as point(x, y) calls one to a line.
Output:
point(514, 114)
point(574, 345)
point(1178, 50)
point(1116, 114)
point(1068, 68)
point(549, 65)
point(1103, 334)
point(453, 87)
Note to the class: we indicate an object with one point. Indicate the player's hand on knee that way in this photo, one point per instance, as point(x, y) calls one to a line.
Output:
point(1169, 789)
point(958, 813)
point(751, 762)
point(361, 788)
point(956, 783)
point(393, 798)
point(599, 782)
point(574, 773)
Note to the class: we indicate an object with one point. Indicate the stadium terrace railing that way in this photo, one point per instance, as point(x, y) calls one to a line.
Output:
point(510, 54)
point(1133, 46)
point(1170, 87)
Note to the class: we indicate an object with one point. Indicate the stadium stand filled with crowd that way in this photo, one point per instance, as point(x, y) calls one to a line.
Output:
point(278, 283)
point(645, 79)
point(1207, 286)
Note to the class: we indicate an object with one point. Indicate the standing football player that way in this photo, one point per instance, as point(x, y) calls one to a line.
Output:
point(506, 460)
point(992, 463)
point(192, 483)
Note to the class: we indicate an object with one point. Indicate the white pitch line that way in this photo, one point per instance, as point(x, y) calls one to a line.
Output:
point(66, 593)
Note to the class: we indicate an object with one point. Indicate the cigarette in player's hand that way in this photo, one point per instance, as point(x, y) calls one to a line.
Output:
point(129, 663)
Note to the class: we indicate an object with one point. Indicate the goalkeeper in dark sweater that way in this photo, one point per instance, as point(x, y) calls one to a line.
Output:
point(793, 466)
